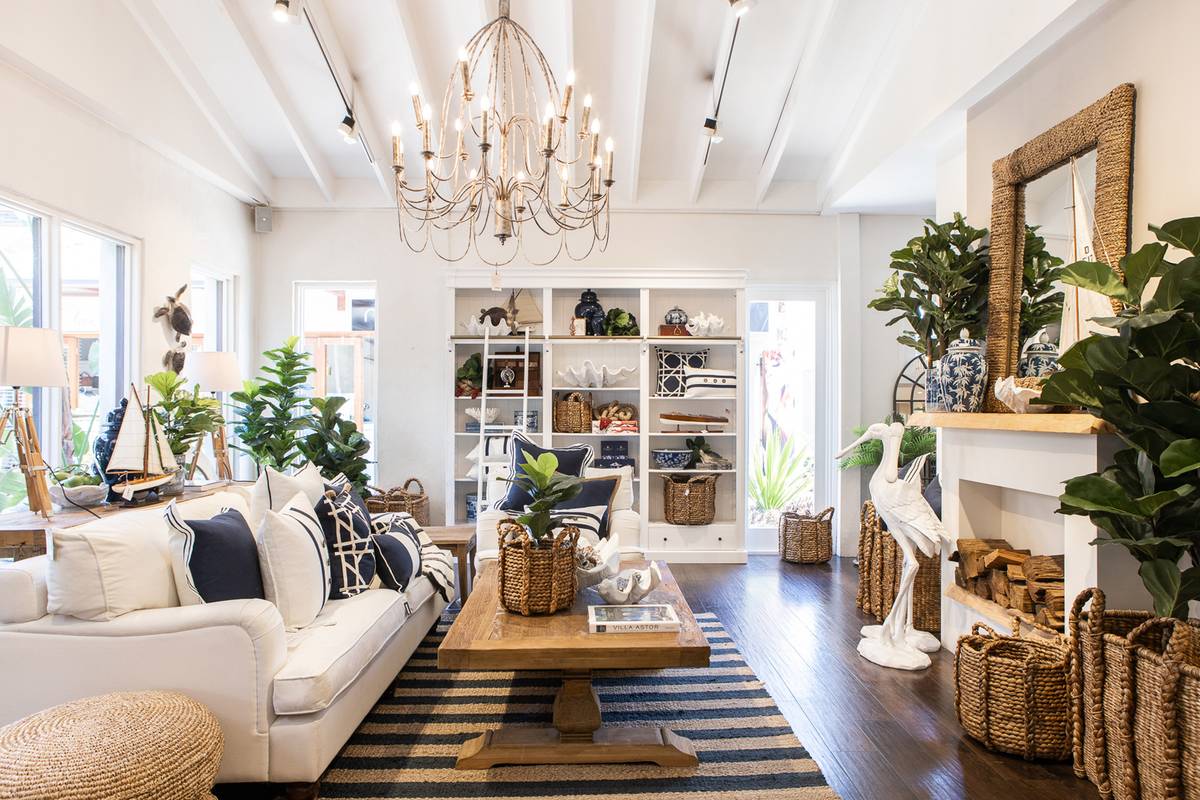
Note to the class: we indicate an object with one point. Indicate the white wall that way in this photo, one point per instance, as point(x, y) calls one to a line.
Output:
point(1149, 44)
point(54, 153)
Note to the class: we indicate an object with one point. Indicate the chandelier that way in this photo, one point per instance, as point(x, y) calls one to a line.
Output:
point(508, 159)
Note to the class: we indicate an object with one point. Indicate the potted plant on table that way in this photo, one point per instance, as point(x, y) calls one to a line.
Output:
point(537, 552)
point(185, 417)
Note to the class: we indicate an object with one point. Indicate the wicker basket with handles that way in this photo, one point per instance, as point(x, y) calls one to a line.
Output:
point(399, 498)
point(690, 500)
point(1014, 695)
point(573, 413)
point(806, 540)
point(536, 580)
point(879, 561)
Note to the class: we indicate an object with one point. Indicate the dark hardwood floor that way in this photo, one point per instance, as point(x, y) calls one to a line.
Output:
point(877, 734)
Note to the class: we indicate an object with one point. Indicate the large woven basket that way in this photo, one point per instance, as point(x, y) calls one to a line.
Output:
point(690, 500)
point(1014, 695)
point(573, 413)
point(806, 540)
point(536, 580)
point(1101, 663)
point(399, 498)
point(879, 561)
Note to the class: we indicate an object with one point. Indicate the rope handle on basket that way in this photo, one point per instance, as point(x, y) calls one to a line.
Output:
point(981, 628)
point(827, 514)
point(420, 487)
point(1095, 702)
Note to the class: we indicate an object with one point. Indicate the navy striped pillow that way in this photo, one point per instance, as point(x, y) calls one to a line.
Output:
point(397, 555)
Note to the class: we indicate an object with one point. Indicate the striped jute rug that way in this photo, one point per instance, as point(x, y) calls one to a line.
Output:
point(406, 747)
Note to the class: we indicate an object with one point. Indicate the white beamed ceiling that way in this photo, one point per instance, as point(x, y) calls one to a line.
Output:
point(830, 105)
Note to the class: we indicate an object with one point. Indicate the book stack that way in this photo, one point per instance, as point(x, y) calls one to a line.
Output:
point(651, 618)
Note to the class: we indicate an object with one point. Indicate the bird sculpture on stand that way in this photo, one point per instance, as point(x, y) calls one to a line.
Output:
point(914, 526)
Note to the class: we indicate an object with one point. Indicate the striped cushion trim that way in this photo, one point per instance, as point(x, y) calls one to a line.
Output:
point(189, 542)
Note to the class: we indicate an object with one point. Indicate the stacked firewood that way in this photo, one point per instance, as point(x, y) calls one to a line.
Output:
point(1012, 578)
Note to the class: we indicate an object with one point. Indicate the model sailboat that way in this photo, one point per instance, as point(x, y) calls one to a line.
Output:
point(1081, 306)
point(140, 453)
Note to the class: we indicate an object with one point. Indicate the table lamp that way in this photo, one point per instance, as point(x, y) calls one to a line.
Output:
point(30, 357)
point(214, 372)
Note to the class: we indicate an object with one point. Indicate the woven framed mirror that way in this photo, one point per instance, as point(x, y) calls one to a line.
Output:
point(1106, 127)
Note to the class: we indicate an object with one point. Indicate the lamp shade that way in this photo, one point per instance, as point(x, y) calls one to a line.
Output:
point(31, 357)
point(214, 372)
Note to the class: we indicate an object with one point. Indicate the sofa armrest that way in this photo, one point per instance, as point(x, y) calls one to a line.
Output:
point(225, 655)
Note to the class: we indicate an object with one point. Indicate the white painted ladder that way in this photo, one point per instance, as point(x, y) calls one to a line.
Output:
point(486, 429)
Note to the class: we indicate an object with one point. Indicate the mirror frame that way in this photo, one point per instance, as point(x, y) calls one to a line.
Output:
point(1105, 126)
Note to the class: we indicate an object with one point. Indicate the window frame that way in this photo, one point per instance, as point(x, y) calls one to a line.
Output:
point(226, 305)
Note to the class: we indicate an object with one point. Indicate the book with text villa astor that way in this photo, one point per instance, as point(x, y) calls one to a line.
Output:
point(632, 619)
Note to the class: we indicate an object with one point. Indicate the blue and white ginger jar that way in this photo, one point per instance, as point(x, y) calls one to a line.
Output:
point(1040, 358)
point(963, 375)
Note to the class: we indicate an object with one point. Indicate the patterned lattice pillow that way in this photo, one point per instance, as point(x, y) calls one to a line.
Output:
point(347, 529)
point(671, 368)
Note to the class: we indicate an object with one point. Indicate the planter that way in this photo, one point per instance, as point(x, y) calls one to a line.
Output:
point(879, 561)
point(175, 487)
point(806, 540)
point(536, 580)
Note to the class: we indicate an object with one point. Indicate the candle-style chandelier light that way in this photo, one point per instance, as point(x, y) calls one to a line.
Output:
point(509, 158)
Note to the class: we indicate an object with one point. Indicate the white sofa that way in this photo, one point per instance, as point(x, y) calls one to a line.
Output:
point(287, 701)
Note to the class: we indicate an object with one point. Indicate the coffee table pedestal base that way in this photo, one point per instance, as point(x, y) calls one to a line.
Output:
point(547, 746)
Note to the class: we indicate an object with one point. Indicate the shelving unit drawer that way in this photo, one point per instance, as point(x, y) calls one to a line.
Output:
point(718, 536)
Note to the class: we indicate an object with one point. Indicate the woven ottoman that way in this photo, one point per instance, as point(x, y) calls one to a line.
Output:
point(121, 746)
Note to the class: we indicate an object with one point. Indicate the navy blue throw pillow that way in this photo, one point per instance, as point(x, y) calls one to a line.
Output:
point(591, 508)
point(397, 555)
point(572, 461)
point(347, 529)
point(220, 556)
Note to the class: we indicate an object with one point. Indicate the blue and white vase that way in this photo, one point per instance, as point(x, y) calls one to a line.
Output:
point(963, 375)
point(933, 387)
point(1039, 359)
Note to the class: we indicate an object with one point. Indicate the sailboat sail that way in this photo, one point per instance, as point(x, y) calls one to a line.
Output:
point(1081, 306)
point(140, 446)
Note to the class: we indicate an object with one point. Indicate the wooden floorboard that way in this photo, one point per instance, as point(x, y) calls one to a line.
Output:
point(877, 734)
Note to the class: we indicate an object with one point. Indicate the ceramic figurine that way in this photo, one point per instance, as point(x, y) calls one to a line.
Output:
point(589, 308)
point(589, 376)
point(914, 526)
point(1040, 358)
point(630, 585)
point(478, 325)
point(705, 325)
point(676, 316)
point(963, 375)
point(176, 321)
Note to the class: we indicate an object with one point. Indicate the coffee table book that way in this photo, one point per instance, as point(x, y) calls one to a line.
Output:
point(651, 618)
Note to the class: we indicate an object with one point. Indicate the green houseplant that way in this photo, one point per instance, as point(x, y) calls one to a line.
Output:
point(619, 322)
point(917, 441)
point(185, 416)
point(1041, 300)
point(780, 472)
point(335, 444)
point(547, 488)
point(269, 426)
point(1144, 380)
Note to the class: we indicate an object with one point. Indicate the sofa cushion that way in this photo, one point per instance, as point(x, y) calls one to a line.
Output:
point(397, 554)
point(348, 536)
point(22, 590)
point(213, 559)
point(294, 561)
point(573, 460)
point(623, 500)
point(273, 490)
point(328, 655)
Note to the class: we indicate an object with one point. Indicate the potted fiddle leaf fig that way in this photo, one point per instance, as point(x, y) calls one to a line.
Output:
point(335, 444)
point(537, 551)
point(1144, 380)
point(269, 425)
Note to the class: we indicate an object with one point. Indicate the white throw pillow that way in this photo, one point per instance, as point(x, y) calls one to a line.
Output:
point(623, 499)
point(294, 561)
point(110, 567)
point(274, 490)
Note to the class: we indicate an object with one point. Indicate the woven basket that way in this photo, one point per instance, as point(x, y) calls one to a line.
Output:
point(879, 561)
point(806, 540)
point(536, 580)
point(1014, 695)
point(1101, 663)
point(690, 500)
point(399, 498)
point(573, 413)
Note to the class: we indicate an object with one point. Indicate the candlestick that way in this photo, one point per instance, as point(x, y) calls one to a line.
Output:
point(464, 68)
point(587, 115)
point(426, 132)
point(567, 92)
point(595, 140)
point(415, 91)
point(596, 165)
point(566, 185)
point(397, 148)
point(485, 104)
point(608, 169)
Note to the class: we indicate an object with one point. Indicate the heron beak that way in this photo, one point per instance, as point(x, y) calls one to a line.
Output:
point(854, 444)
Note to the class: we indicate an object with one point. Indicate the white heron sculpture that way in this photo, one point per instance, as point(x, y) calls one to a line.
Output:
point(914, 526)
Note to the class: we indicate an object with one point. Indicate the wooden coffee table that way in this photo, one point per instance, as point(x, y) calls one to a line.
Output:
point(485, 637)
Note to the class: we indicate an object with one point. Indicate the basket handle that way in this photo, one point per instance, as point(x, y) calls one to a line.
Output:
point(420, 486)
point(827, 514)
point(983, 629)
point(1095, 700)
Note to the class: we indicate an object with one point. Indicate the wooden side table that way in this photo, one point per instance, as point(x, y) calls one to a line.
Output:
point(460, 541)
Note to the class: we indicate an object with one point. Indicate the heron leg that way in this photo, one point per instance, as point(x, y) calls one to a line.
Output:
point(901, 616)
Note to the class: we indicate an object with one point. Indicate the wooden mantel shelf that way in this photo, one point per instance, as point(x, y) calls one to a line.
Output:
point(1031, 423)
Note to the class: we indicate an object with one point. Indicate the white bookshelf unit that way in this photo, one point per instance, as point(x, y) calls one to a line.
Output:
point(648, 295)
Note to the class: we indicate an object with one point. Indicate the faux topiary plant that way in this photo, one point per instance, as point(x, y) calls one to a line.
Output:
point(1144, 380)
point(619, 322)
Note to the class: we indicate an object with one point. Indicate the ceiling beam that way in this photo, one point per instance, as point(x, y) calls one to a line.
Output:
point(412, 61)
point(700, 163)
point(159, 32)
point(301, 138)
point(378, 149)
point(641, 60)
point(790, 113)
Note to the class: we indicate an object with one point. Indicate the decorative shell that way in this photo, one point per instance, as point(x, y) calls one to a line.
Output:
point(589, 376)
point(1019, 397)
point(477, 327)
point(631, 585)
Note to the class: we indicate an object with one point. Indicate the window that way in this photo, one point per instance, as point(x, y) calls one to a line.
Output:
point(60, 274)
point(336, 323)
point(210, 297)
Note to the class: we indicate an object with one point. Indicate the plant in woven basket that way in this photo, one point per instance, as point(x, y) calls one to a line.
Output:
point(547, 488)
point(917, 441)
point(1041, 300)
point(939, 285)
point(269, 426)
point(780, 472)
point(335, 444)
point(1144, 380)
